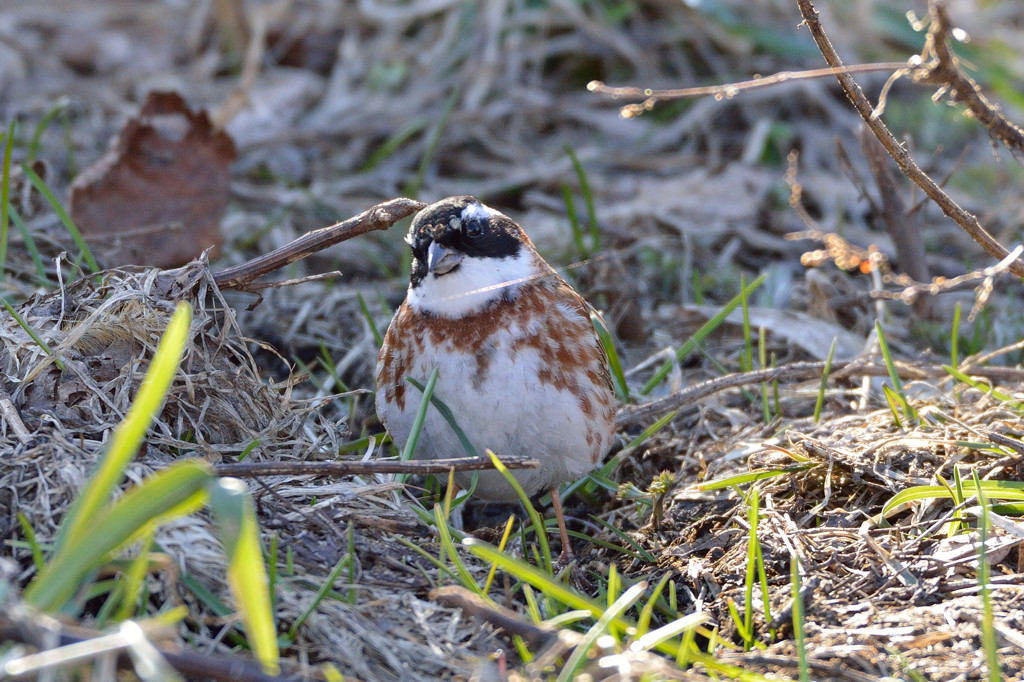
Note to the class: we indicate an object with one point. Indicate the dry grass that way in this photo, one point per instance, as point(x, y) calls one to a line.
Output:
point(687, 199)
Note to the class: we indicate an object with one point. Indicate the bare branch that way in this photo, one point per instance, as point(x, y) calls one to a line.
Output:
point(729, 90)
point(796, 371)
point(943, 71)
point(428, 466)
point(966, 220)
point(380, 217)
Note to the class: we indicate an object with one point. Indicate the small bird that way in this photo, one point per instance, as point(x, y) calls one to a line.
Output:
point(519, 363)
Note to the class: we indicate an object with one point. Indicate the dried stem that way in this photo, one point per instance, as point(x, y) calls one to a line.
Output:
point(430, 466)
point(380, 217)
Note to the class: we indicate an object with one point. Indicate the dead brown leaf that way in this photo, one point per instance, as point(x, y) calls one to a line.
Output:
point(157, 196)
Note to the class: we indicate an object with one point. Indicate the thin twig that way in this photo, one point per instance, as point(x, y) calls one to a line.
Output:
point(380, 217)
point(729, 90)
point(508, 620)
point(796, 371)
point(429, 466)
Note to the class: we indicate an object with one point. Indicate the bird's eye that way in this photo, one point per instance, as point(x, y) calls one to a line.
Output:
point(474, 228)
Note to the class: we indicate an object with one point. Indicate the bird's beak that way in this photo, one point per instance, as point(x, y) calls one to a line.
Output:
point(440, 260)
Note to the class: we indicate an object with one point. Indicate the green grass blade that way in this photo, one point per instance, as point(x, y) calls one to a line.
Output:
point(897, 386)
point(178, 490)
point(644, 621)
point(824, 380)
point(129, 433)
point(69, 224)
point(666, 632)
point(762, 361)
point(614, 363)
point(377, 337)
point(604, 623)
point(1000, 490)
point(130, 587)
point(238, 530)
point(30, 244)
point(539, 528)
point(987, 389)
point(448, 415)
point(701, 334)
point(588, 198)
point(988, 631)
point(32, 333)
point(412, 189)
point(954, 341)
point(798, 620)
point(37, 135)
point(421, 416)
point(448, 547)
point(753, 503)
point(574, 222)
point(321, 592)
point(893, 399)
point(30, 538)
point(5, 195)
point(393, 143)
point(533, 576)
point(747, 356)
point(751, 476)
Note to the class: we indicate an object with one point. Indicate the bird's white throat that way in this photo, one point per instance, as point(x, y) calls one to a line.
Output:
point(474, 284)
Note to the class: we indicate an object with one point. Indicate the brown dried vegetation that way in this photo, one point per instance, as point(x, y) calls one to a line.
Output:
point(688, 198)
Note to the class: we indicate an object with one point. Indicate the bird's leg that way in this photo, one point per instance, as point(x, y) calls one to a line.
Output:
point(455, 512)
point(566, 557)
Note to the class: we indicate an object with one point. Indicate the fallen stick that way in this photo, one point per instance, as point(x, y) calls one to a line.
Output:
point(428, 466)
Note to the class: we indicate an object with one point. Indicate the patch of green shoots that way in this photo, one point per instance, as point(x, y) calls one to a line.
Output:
point(95, 528)
point(993, 489)
point(700, 335)
point(673, 639)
